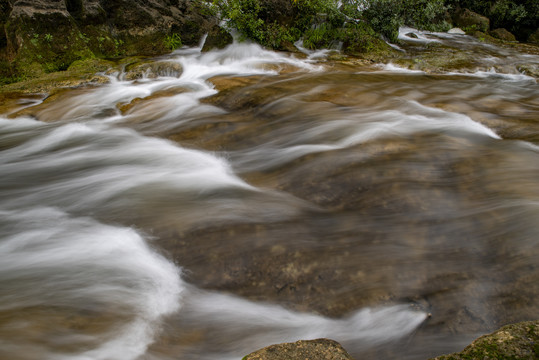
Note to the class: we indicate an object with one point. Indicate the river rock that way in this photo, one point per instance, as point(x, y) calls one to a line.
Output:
point(470, 21)
point(456, 31)
point(517, 341)
point(320, 349)
point(45, 36)
point(152, 69)
point(534, 37)
point(502, 34)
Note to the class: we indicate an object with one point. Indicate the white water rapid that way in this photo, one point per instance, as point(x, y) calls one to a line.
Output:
point(259, 197)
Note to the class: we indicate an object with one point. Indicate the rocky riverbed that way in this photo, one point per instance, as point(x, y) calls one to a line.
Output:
point(357, 193)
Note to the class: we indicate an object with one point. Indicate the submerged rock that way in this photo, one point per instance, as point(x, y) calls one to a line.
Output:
point(152, 69)
point(320, 349)
point(517, 341)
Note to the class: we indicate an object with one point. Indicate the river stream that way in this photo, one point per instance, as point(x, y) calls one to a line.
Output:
point(257, 197)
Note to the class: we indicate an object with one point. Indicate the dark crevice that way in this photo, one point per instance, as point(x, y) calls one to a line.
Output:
point(74, 7)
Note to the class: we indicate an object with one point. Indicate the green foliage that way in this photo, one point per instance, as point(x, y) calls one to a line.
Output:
point(385, 16)
point(84, 38)
point(48, 38)
point(318, 36)
point(518, 16)
point(171, 42)
point(426, 14)
point(35, 40)
point(243, 16)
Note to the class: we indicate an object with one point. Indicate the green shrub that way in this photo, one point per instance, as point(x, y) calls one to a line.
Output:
point(172, 41)
point(322, 22)
point(385, 16)
point(426, 14)
point(517, 16)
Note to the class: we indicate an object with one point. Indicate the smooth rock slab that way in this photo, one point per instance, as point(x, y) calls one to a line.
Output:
point(320, 349)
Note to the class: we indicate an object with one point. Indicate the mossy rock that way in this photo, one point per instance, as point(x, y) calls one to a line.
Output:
point(80, 72)
point(51, 40)
point(534, 37)
point(320, 349)
point(470, 21)
point(361, 40)
point(512, 342)
point(502, 34)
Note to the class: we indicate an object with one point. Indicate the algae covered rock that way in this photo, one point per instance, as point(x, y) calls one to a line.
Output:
point(502, 34)
point(320, 349)
point(534, 37)
point(517, 342)
point(43, 36)
point(43, 33)
point(470, 21)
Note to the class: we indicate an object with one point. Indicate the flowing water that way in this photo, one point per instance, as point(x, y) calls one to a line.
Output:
point(258, 197)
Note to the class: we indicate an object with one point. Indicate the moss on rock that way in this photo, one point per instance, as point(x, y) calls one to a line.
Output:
point(534, 37)
point(320, 349)
point(470, 21)
point(502, 34)
point(43, 36)
point(512, 342)
point(51, 40)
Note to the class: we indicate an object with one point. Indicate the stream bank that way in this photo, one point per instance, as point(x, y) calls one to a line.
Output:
point(42, 37)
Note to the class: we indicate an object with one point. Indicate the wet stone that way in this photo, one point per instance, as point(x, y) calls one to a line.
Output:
point(516, 341)
point(320, 349)
point(152, 70)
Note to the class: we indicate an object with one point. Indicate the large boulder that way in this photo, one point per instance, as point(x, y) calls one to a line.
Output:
point(502, 34)
point(43, 37)
point(534, 37)
point(39, 36)
point(470, 21)
point(517, 341)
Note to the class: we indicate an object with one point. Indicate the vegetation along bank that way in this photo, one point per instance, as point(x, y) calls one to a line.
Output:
point(44, 36)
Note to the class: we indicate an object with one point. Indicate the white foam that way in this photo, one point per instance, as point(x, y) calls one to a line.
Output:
point(312, 54)
point(396, 68)
point(493, 74)
point(52, 260)
point(248, 326)
point(240, 59)
point(83, 167)
point(362, 127)
point(422, 36)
